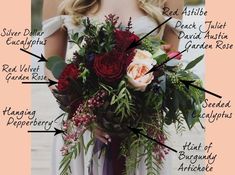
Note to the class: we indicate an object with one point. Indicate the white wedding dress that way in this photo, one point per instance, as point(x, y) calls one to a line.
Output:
point(81, 165)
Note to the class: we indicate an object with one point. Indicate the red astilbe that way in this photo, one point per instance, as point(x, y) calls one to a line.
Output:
point(112, 18)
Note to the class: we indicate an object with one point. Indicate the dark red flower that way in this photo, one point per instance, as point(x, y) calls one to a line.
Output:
point(112, 66)
point(109, 66)
point(70, 71)
point(124, 40)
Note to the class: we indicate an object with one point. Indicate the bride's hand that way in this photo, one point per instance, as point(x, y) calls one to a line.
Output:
point(102, 136)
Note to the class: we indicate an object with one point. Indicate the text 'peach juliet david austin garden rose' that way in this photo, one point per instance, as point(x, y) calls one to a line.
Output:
point(142, 62)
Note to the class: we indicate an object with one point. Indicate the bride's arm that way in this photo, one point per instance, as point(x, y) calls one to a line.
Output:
point(56, 43)
point(169, 35)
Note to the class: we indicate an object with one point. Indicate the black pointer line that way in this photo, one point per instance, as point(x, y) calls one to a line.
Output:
point(34, 82)
point(206, 91)
point(155, 29)
point(49, 82)
point(190, 83)
point(136, 43)
point(160, 65)
point(56, 131)
point(137, 131)
point(41, 58)
point(158, 142)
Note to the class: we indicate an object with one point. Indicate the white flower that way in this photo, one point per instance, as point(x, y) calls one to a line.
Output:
point(140, 65)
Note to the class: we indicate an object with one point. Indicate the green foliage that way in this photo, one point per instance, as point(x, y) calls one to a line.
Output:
point(179, 124)
point(150, 44)
point(153, 113)
point(132, 155)
point(84, 72)
point(165, 101)
point(57, 69)
point(139, 149)
point(95, 39)
point(75, 150)
point(56, 65)
point(65, 162)
point(146, 45)
point(53, 60)
point(194, 62)
point(160, 58)
point(150, 162)
point(178, 99)
point(122, 100)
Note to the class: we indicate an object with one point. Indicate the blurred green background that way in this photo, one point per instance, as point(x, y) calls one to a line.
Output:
point(36, 10)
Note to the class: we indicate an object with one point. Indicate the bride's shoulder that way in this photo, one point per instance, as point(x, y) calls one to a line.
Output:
point(53, 19)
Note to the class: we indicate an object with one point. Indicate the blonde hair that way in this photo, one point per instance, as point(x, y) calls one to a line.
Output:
point(78, 8)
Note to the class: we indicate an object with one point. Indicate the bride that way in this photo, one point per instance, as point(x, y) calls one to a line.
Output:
point(61, 18)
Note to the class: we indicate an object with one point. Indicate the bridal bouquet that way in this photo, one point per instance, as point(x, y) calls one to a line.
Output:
point(108, 85)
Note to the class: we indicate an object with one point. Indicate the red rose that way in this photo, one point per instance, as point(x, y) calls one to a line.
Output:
point(112, 66)
point(109, 66)
point(70, 71)
point(124, 40)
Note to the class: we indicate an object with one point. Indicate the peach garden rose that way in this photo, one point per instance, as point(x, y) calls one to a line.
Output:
point(140, 65)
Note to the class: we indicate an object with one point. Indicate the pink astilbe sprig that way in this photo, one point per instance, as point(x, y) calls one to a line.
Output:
point(159, 151)
point(129, 25)
point(112, 18)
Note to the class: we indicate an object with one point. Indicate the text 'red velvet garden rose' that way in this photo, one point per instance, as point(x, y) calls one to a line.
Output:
point(137, 69)
point(70, 71)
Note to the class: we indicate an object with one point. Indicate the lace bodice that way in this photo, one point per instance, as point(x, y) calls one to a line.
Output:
point(142, 24)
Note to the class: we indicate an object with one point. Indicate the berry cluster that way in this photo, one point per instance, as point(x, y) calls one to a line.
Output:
point(83, 119)
point(160, 151)
point(97, 100)
point(71, 136)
